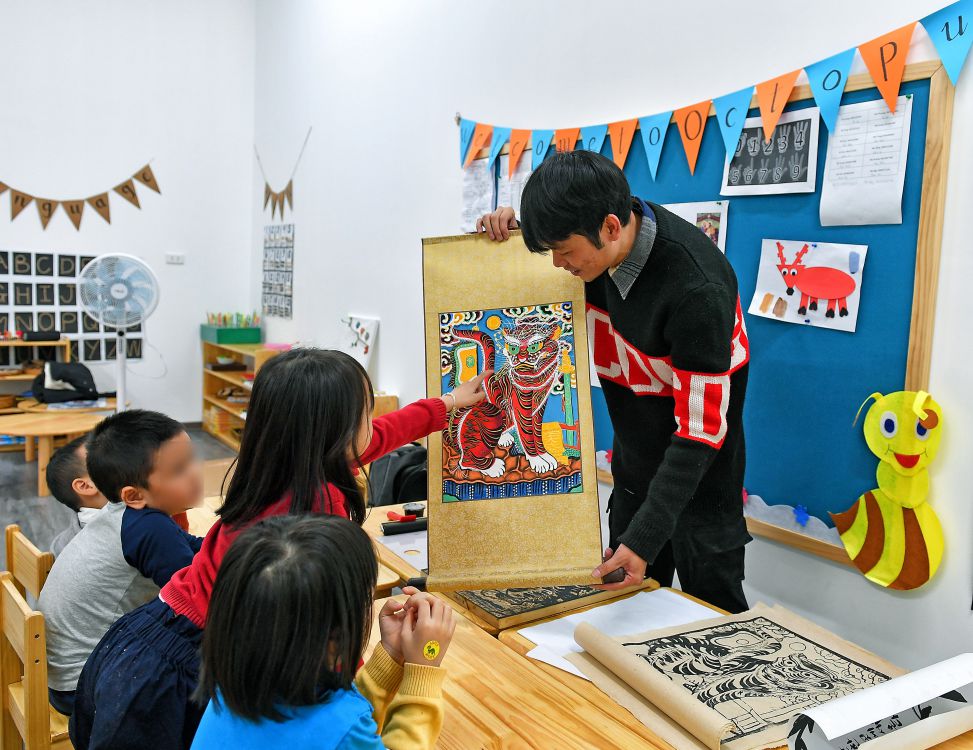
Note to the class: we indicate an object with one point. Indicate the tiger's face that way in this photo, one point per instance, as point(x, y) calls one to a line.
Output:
point(904, 430)
point(531, 347)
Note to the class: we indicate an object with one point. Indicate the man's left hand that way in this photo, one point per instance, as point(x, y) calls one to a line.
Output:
point(633, 565)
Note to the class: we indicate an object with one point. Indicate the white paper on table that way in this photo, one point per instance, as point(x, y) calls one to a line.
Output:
point(711, 217)
point(412, 546)
point(479, 193)
point(865, 167)
point(884, 709)
point(509, 190)
point(647, 610)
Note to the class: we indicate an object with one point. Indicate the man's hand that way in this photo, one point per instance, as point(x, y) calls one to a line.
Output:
point(632, 564)
point(498, 224)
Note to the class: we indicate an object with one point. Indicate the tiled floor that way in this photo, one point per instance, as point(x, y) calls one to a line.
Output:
point(41, 518)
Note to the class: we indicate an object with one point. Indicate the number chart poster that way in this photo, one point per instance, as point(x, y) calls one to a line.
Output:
point(39, 292)
point(278, 281)
point(524, 438)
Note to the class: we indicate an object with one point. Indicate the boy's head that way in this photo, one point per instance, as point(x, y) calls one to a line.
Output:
point(68, 479)
point(145, 460)
point(578, 205)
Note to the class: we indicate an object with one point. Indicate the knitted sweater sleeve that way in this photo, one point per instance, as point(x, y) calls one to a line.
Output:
point(700, 332)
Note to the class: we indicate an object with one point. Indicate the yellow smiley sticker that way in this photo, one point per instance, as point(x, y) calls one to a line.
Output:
point(431, 650)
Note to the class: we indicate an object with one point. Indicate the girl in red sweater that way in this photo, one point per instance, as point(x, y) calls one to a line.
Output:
point(307, 435)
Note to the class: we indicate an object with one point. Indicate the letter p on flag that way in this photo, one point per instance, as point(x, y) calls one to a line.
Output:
point(885, 59)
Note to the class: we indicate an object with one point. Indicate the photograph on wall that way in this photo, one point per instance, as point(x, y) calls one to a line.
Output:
point(787, 163)
point(810, 283)
point(278, 271)
point(39, 292)
point(524, 438)
point(710, 217)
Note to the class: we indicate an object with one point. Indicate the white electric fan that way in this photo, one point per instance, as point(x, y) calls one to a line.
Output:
point(118, 291)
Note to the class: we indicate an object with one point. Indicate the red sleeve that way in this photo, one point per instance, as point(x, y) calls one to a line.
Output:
point(409, 423)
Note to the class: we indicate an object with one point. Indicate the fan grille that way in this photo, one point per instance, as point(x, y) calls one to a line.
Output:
point(118, 290)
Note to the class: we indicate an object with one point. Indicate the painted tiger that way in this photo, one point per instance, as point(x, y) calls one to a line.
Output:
point(516, 394)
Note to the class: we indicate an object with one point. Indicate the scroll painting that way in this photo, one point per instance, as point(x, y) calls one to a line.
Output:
point(734, 683)
point(513, 497)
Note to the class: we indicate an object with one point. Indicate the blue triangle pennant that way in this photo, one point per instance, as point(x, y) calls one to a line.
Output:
point(500, 138)
point(828, 78)
point(466, 128)
point(540, 142)
point(950, 31)
point(593, 137)
point(731, 113)
point(653, 131)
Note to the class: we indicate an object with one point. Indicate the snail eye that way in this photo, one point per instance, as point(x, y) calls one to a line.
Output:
point(921, 432)
point(889, 424)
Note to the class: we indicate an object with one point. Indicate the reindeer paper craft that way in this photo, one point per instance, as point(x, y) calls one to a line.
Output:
point(816, 283)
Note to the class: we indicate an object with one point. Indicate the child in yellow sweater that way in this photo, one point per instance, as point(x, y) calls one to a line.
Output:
point(288, 621)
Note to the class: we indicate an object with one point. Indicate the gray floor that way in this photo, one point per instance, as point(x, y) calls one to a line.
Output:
point(42, 518)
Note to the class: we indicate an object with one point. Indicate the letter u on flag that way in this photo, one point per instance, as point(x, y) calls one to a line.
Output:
point(950, 31)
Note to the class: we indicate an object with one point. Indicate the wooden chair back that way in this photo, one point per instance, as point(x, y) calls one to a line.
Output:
point(27, 564)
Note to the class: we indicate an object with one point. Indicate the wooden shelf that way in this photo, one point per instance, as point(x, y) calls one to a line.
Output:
point(234, 377)
point(22, 378)
point(18, 342)
point(224, 437)
point(233, 409)
point(246, 350)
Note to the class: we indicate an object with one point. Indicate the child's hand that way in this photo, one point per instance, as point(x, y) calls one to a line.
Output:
point(427, 633)
point(469, 393)
point(390, 622)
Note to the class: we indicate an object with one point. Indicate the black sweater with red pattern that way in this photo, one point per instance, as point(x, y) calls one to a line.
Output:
point(672, 358)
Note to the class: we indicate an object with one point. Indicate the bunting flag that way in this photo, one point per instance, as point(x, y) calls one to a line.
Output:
point(593, 137)
point(466, 128)
point(74, 207)
point(497, 141)
point(772, 96)
point(653, 131)
point(540, 143)
point(828, 78)
point(620, 134)
point(885, 57)
point(277, 198)
point(518, 142)
point(691, 122)
point(482, 134)
point(566, 139)
point(951, 34)
point(731, 113)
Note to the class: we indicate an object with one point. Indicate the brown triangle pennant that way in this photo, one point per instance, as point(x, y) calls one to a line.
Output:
point(100, 204)
point(45, 209)
point(289, 194)
point(127, 191)
point(267, 195)
point(18, 202)
point(145, 176)
point(74, 210)
point(3, 188)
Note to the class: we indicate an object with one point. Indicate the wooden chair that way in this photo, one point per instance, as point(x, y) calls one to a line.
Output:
point(27, 564)
point(27, 716)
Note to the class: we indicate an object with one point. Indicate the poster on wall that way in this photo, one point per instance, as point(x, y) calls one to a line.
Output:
point(509, 189)
point(358, 337)
point(711, 217)
point(278, 279)
point(39, 292)
point(787, 163)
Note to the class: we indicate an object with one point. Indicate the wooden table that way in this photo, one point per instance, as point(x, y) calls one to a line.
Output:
point(497, 699)
point(201, 520)
point(45, 427)
point(33, 406)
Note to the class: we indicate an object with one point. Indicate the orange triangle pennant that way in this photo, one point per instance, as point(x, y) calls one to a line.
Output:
point(127, 191)
point(100, 204)
point(621, 134)
point(74, 210)
point(18, 202)
point(481, 139)
point(518, 142)
point(45, 209)
point(885, 59)
point(565, 139)
point(772, 97)
point(691, 122)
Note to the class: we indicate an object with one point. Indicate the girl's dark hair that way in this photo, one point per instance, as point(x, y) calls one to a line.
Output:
point(289, 617)
point(572, 193)
point(305, 412)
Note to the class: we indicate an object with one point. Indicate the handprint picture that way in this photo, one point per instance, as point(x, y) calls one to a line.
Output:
point(787, 163)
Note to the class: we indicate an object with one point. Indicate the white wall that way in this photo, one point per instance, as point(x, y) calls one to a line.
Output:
point(93, 90)
point(381, 81)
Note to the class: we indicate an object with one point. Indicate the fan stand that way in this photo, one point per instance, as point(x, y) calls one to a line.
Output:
point(121, 352)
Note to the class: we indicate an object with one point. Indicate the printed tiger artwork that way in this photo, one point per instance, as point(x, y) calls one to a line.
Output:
point(523, 439)
point(892, 534)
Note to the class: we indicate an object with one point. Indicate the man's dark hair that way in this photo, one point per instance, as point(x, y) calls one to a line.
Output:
point(572, 193)
point(65, 466)
point(289, 616)
point(121, 450)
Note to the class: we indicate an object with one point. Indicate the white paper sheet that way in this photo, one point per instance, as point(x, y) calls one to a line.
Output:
point(711, 217)
point(413, 547)
point(787, 163)
point(479, 193)
point(865, 168)
point(647, 610)
point(510, 190)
